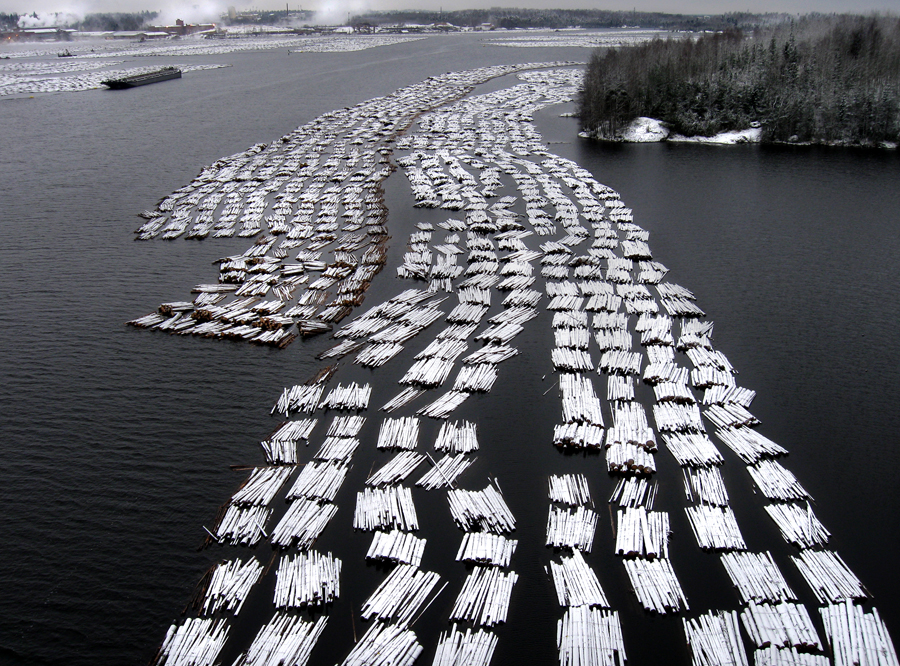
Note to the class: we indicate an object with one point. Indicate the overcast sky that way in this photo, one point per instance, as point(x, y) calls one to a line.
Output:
point(207, 10)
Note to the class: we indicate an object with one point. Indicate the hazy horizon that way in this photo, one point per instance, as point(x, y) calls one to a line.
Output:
point(337, 10)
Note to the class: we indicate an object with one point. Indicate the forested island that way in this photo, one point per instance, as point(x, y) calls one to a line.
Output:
point(816, 79)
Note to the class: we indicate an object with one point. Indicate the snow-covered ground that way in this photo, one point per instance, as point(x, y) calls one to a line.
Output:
point(751, 135)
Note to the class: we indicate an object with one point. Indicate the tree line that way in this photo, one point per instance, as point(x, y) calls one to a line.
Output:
point(512, 18)
point(819, 79)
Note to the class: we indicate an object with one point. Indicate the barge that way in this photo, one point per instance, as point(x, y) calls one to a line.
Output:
point(135, 80)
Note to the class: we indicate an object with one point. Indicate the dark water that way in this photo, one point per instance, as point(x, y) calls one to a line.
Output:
point(118, 442)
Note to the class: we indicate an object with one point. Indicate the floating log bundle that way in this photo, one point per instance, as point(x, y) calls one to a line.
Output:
point(486, 548)
point(473, 647)
point(300, 398)
point(720, 395)
point(692, 449)
point(798, 526)
point(345, 426)
point(630, 426)
point(396, 546)
point(385, 645)
point(307, 579)
point(303, 523)
point(634, 491)
point(773, 656)
point(336, 450)
point(574, 360)
point(352, 398)
point(667, 391)
point(620, 363)
point(570, 489)
point(444, 405)
point(385, 508)
point(730, 415)
point(196, 642)
point(629, 458)
point(776, 482)
point(242, 525)
point(780, 625)
point(396, 469)
point(749, 444)
point(579, 402)
point(262, 486)
point(319, 481)
point(757, 578)
point(715, 640)
point(829, 577)
point(857, 637)
point(444, 472)
point(428, 372)
point(655, 585)
point(286, 639)
point(483, 509)
point(229, 586)
point(476, 378)
point(715, 527)
point(578, 435)
point(400, 595)
point(642, 533)
point(588, 636)
point(377, 354)
point(457, 437)
point(293, 431)
point(571, 528)
point(705, 485)
point(280, 453)
point(484, 598)
point(576, 583)
point(673, 417)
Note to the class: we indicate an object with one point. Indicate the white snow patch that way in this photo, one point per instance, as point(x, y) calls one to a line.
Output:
point(751, 135)
point(645, 130)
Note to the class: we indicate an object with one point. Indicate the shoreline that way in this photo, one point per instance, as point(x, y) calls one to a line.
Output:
point(652, 130)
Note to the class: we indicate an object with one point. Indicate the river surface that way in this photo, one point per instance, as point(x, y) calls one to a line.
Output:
point(117, 442)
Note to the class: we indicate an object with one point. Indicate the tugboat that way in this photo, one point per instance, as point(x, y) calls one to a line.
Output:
point(135, 80)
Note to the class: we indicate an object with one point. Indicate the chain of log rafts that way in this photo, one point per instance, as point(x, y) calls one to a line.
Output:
point(594, 310)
